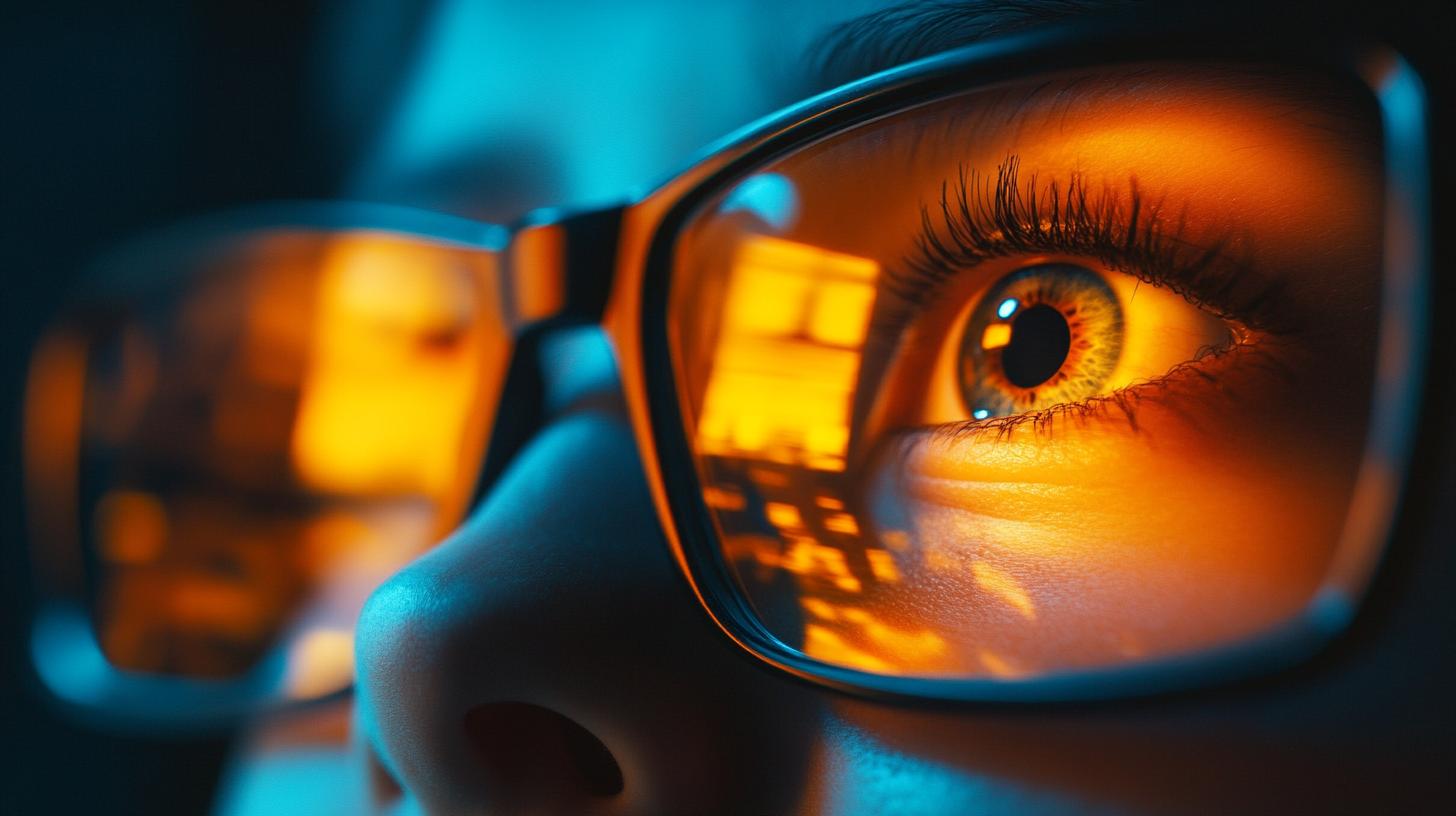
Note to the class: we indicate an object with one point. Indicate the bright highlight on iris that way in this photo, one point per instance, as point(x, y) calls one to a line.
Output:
point(1054, 335)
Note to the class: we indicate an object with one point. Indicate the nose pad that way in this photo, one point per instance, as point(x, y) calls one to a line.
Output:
point(530, 747)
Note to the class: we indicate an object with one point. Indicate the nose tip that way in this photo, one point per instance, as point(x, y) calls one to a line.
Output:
point(393, 648)
point(452, 753)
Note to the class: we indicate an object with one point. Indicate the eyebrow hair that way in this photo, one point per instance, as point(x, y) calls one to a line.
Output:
point(909, 31)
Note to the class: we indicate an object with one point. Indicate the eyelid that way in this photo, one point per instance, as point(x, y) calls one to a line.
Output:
point(984, 220)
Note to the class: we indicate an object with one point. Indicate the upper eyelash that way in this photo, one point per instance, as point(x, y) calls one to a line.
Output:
point(981, 220)
point(984, 221)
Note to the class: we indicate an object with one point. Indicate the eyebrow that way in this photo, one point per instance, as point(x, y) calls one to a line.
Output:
point(909, 31)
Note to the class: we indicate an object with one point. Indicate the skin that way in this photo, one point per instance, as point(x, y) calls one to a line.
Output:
point(1086, 540)
point(560, 592)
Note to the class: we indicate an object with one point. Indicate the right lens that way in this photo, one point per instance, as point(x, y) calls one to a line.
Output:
point(1067, 374)
point(246, 433)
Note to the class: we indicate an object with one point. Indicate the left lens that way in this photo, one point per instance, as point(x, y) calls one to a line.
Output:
point(252, 429)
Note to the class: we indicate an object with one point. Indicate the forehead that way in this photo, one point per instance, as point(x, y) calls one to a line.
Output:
point(507, 106)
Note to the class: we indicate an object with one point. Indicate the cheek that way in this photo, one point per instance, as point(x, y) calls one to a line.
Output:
point(1093, 541)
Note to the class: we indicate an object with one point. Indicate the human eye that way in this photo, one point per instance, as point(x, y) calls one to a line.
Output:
point(1054, 376)
point(1081, 302)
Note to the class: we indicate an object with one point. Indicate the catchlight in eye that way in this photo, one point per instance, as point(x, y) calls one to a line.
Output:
point(1040, 336)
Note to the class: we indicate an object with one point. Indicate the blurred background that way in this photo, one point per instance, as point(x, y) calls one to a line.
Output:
point(122, 119)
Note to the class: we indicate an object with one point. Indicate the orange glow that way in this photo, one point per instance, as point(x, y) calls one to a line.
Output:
point(866, 641)
point(840, 313)
point(54, 398)
point(321, 661)
point(1198, 506)
point(539, 251)
point(996, 335)
point(786, 359)
point(842, 523)
point(882, 564)
point(132, 527)
point(783, 515)
point(996, 665)
point(1006, 588)
point(1163, 331)
point(393, 370)
point(723, 498)
point(824, 644)
point(808, 557)
point(293, 417)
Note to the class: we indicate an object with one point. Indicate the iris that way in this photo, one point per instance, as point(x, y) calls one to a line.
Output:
point(1040, 336)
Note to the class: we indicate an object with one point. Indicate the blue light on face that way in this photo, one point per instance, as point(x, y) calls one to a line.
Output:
point(1007, 308)
point(981, 413)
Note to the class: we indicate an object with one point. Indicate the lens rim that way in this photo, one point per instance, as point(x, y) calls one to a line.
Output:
point(658, 403)
point(66, 658)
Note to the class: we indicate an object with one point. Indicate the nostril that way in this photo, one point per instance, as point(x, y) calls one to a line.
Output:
point(528, 747)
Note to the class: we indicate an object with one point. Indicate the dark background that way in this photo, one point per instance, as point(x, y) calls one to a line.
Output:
point(119, 118)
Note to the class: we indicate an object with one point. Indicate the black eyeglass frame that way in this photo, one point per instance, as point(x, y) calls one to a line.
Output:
point(1403, 337)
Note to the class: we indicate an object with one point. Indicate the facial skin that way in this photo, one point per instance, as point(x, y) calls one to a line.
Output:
point(1196, 507)
point(560, 592)
point(1174, 504)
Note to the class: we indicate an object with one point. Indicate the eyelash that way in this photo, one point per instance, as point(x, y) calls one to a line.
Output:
point(1124, 401)
point(981, 221)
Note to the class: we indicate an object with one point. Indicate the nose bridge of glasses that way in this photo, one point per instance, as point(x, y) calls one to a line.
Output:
point(357, 282)
point(559, 266)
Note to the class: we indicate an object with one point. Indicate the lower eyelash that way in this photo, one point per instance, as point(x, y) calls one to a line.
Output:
point(984, 221)
point(1123, 403)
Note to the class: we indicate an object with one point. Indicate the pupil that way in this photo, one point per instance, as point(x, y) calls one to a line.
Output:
point(1040, 339)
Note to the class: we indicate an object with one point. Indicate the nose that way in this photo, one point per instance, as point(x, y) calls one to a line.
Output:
point(548, 658)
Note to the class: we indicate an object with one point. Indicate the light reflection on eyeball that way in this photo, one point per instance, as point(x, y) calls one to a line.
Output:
point(1062, 333)
point(1043, 335)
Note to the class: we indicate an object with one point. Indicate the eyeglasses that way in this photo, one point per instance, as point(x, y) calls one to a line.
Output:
point(1046, 369)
